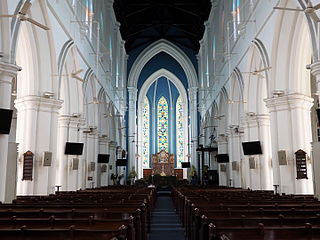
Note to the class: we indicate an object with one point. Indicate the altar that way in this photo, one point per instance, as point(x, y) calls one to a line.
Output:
point(163, 165)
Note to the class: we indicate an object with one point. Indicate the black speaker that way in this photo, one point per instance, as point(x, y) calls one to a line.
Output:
point(222, 158)
point(5, 120)
point(185, 164)
point(103, 158)
point(318, 114)
point(73, 148)
point(251, 148)
point(121, 163)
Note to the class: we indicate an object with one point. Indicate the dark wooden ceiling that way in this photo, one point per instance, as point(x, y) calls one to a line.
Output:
point(146, 21)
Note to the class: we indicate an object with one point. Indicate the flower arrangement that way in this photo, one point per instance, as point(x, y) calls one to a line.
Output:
point(132, 174)
point(193, 171)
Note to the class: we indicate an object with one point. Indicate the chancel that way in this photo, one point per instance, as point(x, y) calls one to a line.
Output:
point(162, 119)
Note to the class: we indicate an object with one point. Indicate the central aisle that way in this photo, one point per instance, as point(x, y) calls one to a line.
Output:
point(165, 223)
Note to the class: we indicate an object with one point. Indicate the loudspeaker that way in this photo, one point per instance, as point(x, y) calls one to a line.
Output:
point(282, 157)
point(5, 120)
point(318, 114)
point(222, 158)
point(75, 163)
point(121, 163)
point(103, 168)
point(223, 167)
point(185, 165)
point(110, 167)
point(92, 166)
point(235, 166)
point(252, 163)
point(47, 158)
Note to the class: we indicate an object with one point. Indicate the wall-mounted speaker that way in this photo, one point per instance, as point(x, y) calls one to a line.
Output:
point(318, 114)
point(92, 166)
point(252, 163)
point(47, 158)
point(75, 163)
point(282, 157)
point(223, 167)
point(103, 168)
point(235, 166)
point(110, 167)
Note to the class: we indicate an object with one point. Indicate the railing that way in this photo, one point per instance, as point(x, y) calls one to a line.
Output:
point(235, 29)
point(90, 29)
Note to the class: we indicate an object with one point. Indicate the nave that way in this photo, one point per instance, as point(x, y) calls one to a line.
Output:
point(154, 119)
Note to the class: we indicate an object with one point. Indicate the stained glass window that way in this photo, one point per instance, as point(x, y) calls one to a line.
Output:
point(180, 132)
point(236, 17)
point(163, 127)
point(145, 133)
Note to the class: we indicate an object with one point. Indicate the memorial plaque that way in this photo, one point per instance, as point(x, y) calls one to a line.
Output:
point(301, 164)
point(27, 166)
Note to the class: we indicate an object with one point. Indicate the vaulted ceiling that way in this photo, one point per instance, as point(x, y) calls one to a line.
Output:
point(146, 21)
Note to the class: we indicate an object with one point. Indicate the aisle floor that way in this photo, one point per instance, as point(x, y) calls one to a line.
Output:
point(165, 223)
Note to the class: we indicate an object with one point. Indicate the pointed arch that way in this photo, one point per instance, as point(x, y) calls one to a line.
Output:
point(172, 50)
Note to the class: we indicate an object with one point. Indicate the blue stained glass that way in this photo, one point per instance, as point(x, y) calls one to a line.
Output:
point(163, 126)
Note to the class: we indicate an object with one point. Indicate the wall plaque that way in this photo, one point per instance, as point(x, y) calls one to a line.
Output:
point(301, 164)
point(27, 166)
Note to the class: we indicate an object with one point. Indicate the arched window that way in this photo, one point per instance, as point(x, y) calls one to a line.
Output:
point(145, 133)
point(180, 132)
point(163, 127)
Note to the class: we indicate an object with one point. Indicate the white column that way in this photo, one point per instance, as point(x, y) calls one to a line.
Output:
point(37, 131)
point(223, 149)
point(113, 159)
point(234, 150)
point(70, 130)
point(194, 125)
point(315, 71)
point(132, 128)
point(291, 131)
point(266, 176)
point(62, 159)
point(258, 128)
point(244, 161)
point(116, 46)
point(7, 73)
point(103, 177)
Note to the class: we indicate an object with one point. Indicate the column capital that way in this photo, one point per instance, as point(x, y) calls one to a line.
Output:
point(9, 69)
point(290, 101)
point(193, 93)
point(103, 139)
point(133, 91)
point(193, 90)
point(256, 119)
point(116, 26)
point(315, 68)
point(38, 103)
point(113, 144)
point(67, 120)
point(207, 24)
